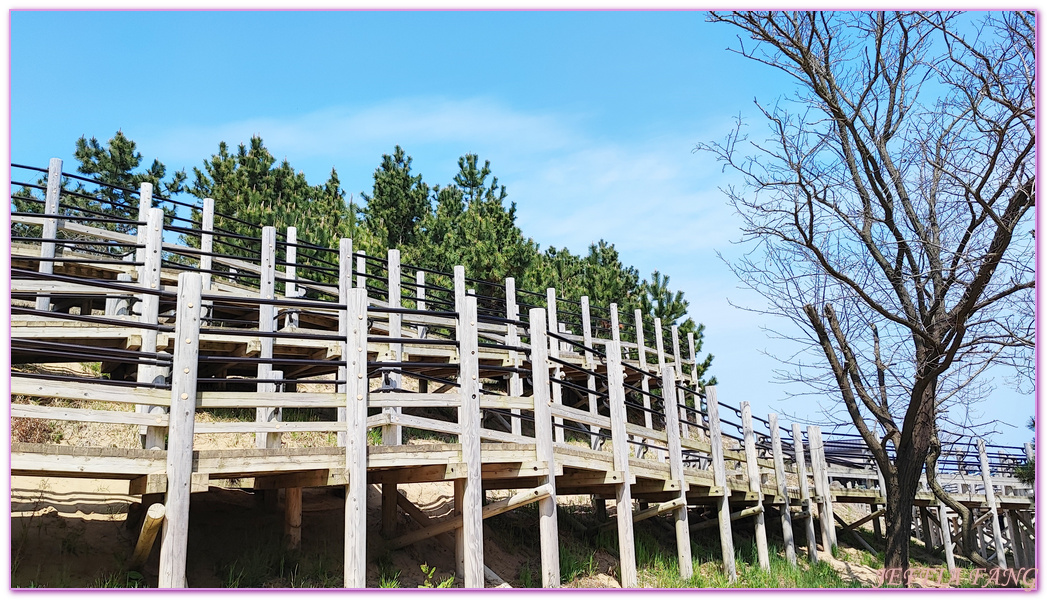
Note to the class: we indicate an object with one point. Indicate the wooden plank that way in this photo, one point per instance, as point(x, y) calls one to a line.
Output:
point(175, 537)
point(753, 471)
point(821, 487)
point(92, 392)
point(345, 283)
point(779, 478)
point(356, 458)
point(544, 453)
point(855, 535)
point(620, 443)
point(84, 415)
point(735, 516)
point(862, 521)
point(210, 400)
point(580, 416)
point(50, 225)
point(943, 518)
point(675, 452)
point(590, 364)
point(392, 435)
point(469, 419)
point(990, 501)
point(554, 352)
point(266, 321)
point(720, 479)
point(512, 402)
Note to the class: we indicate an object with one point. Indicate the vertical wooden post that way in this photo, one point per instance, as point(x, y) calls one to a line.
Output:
point(345, 285)
point(118, 305)
point(587, 340)
point(695, 416)
point(419, 292)
point(543, 440)
point(678, 366)
point(149, 278)
point(925, 529)
point(266, 313)
point(49, 231)
point(512, 312)
point(990, 500)
point(821, 482)
point(361, 271)
point(723, 504)
point(1015, 540)
point(174, 538)
point(293, 517)
point(356, 389)
point(672, 429)
point(460, 543)
point(659, 344)
point(805, 494)
point(783, 489)
point(291, 273)
point(207, 244)
point(469, 421)
point(554, 352)
point(943, 518)
point(753, 471)
point(620, 444)
point(641, 355)
point(392, 435)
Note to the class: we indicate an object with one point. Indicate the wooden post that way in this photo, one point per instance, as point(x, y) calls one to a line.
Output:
point(587, 340)
point(266, 313)
point(207, 244)
point(392, 434)
point(783, 489)
point(805, 494)
point(154, 518)
point(678, 367)
point(149, 278)
point(356, 438)
point(753, 471)
point(291, 273)
point(990, 501)
point(554, 352)
point(49, 231)
point(821, 483)
point(672, 429)
point(723, 504)
point(175, 536)
point(419, 292)
point(118, 305)
point(543, 440)
point(696, 416)
point(925, 530)
point(345, 284)
point(469, 420)
point(512, 312)
point(943, 518)
point(641, 355)
point(293, 517)
point(361, 271)
point(620, 443)
point(1015, 540)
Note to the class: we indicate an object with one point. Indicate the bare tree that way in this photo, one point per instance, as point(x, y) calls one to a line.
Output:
point(890, 211)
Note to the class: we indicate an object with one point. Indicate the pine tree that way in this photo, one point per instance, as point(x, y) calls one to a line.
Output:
point(399, 201)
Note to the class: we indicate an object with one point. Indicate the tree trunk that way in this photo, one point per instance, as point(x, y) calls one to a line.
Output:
point(900, 494)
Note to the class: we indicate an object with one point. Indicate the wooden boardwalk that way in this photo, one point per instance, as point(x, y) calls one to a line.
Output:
point(415, 376)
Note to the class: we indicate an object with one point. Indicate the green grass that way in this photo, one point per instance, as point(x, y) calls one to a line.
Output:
point(267, 563)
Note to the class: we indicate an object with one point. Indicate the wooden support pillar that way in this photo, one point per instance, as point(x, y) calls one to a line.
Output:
point(877, 530)
point(512, 313)
point(620, 443)
point(723, 505)
point(694, 417)
point(419, 294)
point(805, 494)
point(356, 390)
point(149, 278)
point(753, 471)
point(469, 421)
point(49, 231)
point(783, 489)
point(345, 284)
point(946, 527)
point(680, 520)
point(293, 517)
point(745, 513)
point(460, 543)
point(978, 531)
point(543, 441)
point(118, 305)
point(990, 501)
point(824, 491)
point(590, 364)
point(266, 320)
point(207, 245)
point(925, 530)
point(154, 518)
point(174, 539)
point(1015, 537)
point(645, 385)
point(392, 435)
point(685, 430)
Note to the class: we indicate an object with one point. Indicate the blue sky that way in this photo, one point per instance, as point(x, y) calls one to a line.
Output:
point(588, 118)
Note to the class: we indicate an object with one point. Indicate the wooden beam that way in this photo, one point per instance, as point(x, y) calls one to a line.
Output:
point(675, 453)
point(512, 338)
point(266, 318)
point(544, 451)
point(498, 507)
point(469, 419)
point(990, 500)
point(862, 521)
point(149, 278)
point(49, 230)
point(154, 518)
point(175, 537)
point(753, 469)
point(735, 516)
point(854, 534)
point(805, 494)
point(620, 447)
point(293, 517)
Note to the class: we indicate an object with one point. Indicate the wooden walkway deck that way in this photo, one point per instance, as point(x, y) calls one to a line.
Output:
point(417, 376)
